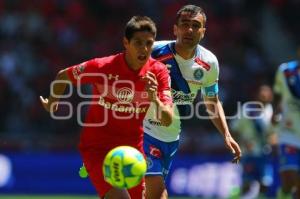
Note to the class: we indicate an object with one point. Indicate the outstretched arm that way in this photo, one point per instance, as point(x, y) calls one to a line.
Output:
point(50, 104)
point(217, 116)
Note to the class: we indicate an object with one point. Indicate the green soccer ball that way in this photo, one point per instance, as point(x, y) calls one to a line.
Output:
point(124, 167)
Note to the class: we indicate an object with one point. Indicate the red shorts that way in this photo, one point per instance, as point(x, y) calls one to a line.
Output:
point(93, 160)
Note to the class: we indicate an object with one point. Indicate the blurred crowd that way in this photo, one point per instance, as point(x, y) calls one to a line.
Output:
point(38, 38)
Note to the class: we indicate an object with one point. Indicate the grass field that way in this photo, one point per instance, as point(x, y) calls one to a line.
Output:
point(61, 197)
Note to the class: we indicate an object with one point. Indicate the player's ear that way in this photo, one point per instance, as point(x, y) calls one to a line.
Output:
point(125, 42)
point(175, 30)
point(203, 33)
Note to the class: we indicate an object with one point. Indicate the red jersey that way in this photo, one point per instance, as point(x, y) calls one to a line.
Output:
point(119, 101)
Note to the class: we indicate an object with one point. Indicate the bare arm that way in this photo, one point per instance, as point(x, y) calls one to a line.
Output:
point(217, 116)
point(277, 108)
point(50, 104)
point(165, 112)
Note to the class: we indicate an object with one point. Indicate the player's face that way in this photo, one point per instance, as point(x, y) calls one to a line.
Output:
point(189, 30)
point(265, 94)
point(139, 48)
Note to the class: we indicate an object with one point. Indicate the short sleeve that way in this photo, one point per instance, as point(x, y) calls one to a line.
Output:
point(210, 91)
point(164, 85)
point(87, 72)
point(210, 86)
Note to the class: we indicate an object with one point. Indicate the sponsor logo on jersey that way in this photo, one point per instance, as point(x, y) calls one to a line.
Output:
point(181, 98)
point(198, 74)
point(111, 76)
point(77, 70)
point(154, 122)
point(125, 95)
point(121, 108)
point(155, 151)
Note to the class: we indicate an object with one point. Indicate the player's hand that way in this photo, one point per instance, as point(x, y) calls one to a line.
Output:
point(276, 118)
point(151, 85)
point(49, 106)
point(234, 147)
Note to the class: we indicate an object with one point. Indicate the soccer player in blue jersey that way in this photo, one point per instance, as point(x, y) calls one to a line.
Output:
point(192, 68)
point(287, 115)
point(254, 131)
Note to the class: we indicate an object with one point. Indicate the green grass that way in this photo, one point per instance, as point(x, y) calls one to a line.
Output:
point(61, 197)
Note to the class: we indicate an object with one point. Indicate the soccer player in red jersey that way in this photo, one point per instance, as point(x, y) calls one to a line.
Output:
point(124, 85)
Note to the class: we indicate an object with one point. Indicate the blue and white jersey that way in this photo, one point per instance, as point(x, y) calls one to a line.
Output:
point(287, 84)
point(187, 77)
point(253, 127)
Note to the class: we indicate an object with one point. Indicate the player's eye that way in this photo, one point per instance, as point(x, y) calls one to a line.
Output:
point(196, 26)
point(185, 25)
point(149, 43)
point(138, 43)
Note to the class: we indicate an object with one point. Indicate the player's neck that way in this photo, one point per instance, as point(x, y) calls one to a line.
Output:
point(184, 52)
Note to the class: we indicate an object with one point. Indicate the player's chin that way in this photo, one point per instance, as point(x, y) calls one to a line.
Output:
point(142, 59)
point(189, 42)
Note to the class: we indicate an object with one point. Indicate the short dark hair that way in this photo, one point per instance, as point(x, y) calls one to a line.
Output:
point(139, 23)
point(194, 10)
